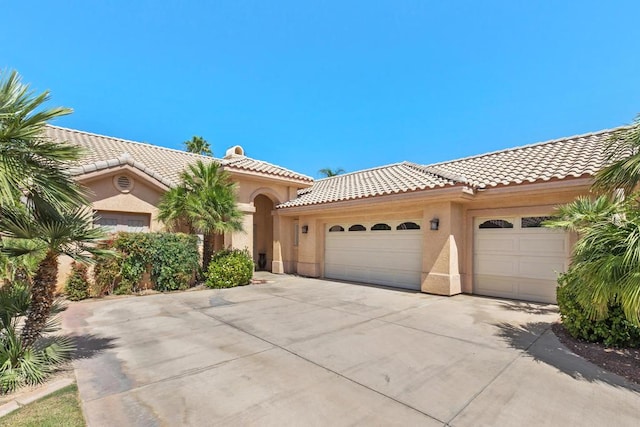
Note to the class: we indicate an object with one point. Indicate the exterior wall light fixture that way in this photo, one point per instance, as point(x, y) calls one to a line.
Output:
point(435, 223)
point(305, 229)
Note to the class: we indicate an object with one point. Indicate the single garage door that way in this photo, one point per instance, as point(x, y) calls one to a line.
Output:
point(518, 258)
point(385, 253)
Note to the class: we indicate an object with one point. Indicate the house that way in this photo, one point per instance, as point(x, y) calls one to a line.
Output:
point(471, 225)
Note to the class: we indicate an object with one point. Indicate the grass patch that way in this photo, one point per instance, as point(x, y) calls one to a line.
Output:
point(60, 409)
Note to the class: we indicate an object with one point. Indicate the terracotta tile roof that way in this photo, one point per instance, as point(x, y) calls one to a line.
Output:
point(557, 159)
point(391, 179)
point(164, 164)
point(253, 165)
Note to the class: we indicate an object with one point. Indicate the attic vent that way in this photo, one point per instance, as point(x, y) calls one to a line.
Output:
point(124, 183)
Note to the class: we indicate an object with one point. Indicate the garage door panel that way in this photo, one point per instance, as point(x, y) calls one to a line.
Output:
point(495, 285)
point(549, 244)
point(537, 290)
point(385, 257)
point(545, 268)
point(493, 243)
point(520, 263)
point(497, 265)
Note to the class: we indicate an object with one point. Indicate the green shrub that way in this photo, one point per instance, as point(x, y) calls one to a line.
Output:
point(77, 286)
point(613, 331)
point(229, 268)
point(171, 259)
point(21, 364)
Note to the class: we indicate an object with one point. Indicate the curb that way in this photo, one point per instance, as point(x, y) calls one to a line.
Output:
point(34, 395)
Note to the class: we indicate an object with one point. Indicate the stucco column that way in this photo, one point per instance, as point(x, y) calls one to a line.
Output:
point(277, 264)
point(310, 255)
point(283, 257)
point(242, 239)
point(441, 257)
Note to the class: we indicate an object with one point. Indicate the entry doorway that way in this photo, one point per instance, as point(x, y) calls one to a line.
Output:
point(263, 232)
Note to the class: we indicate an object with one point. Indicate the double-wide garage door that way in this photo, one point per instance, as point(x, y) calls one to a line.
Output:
point(516, 257)
point(386, 253)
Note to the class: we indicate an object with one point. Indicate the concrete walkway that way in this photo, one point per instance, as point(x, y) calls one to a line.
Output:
point(313, 352)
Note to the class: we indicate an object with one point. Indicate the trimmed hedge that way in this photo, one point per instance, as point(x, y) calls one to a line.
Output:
point(613, 331)
point(170, 259)
point(77, 286)
point(229, 268)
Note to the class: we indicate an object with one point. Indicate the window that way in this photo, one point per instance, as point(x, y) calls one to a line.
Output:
point(408, 226)
point(380, 227)
point(534, 221)
point(123, 221)
point(357, 227)
point(110, 224)
point(336, 228)
point(495, 223)
point(135, 225)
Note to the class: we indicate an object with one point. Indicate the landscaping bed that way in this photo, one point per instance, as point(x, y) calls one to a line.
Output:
point(621, 361)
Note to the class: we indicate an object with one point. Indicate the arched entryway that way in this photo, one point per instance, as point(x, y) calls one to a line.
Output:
point(263, 232)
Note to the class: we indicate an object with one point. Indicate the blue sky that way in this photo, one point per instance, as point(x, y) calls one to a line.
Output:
point(351, 84)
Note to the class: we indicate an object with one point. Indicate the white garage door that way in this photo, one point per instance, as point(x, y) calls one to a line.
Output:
point(385, 253)
point(518, 258)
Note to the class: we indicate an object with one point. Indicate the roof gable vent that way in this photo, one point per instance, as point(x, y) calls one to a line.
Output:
point(123, 183)
point(235, 151)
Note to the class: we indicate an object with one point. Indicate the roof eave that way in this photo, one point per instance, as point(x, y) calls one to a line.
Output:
point(458, 192)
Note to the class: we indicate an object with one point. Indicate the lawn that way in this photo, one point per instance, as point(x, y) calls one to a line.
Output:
point(60, 409)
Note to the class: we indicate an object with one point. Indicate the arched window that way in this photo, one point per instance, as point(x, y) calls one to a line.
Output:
point(495, 223)
point(534, 221)
point(380, 227)
point(408, 226)
point(336, 228)
point(357, 227)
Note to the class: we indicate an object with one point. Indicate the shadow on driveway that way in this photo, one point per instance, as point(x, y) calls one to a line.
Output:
point(538, 341)
point(89, 345)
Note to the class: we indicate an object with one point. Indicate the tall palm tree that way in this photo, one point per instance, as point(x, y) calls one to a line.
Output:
point(198, 145)
point(328, 172)
point(57, 231)
point(204, 202)
point(31, 164)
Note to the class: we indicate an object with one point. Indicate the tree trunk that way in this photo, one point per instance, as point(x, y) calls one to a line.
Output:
point(42, 290)
point(207, 250)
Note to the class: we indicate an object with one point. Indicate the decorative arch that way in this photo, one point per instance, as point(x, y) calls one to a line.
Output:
point(266, 191)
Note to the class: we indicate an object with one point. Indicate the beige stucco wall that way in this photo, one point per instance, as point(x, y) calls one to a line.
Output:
point(447, 252)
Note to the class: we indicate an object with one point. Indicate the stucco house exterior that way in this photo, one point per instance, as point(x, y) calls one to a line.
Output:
point(471, 225)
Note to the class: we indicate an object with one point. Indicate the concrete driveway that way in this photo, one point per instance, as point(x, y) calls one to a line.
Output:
point(313, 352)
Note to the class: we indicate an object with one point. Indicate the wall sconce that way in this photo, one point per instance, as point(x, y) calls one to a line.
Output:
point(305, 229)
point(435, 223)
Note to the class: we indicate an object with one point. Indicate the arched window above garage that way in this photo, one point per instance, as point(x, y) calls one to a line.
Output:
point(534, 221)
point(380, 227)
point(408, 226)
point(495, 223)
point(357, 227)
point(336, 228)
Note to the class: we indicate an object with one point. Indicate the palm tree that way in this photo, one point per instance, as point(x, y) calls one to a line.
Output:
point(624, 157)
point(198, 145)
point(31, 164)
point(328, 172)
point(57, 231)
point(605, 268)
point(204, 202)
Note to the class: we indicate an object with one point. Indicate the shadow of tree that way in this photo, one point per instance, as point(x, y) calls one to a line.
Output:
point(538, 341)
point(528, 307)
point(88, 346)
